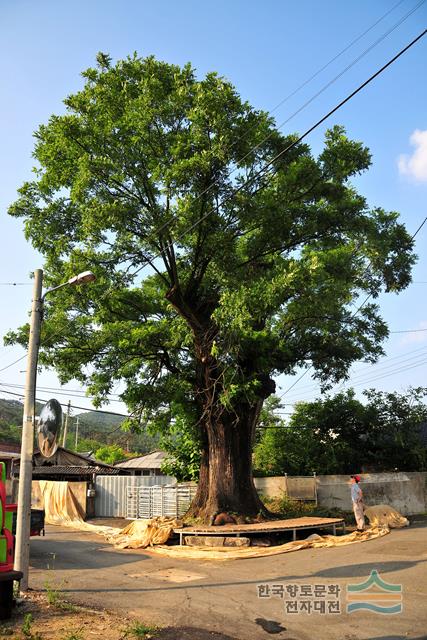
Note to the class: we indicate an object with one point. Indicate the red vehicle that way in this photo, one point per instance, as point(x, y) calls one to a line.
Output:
point(7, 574)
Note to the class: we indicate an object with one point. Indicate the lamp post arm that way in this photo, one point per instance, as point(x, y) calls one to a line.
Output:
point(46, 293)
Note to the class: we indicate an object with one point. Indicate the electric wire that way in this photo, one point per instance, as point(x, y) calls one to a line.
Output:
point(299, 110)
point(357, 310)
point(73, 406)
point(270, 164)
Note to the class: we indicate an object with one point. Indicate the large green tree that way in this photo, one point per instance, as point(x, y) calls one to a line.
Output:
point(202, 295)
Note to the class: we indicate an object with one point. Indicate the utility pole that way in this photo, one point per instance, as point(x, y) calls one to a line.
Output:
point(64, 437)
point(77, 432)
point(22, 551)
point(23, 517)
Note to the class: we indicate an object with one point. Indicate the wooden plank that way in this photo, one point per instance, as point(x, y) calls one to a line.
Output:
point(304, 522)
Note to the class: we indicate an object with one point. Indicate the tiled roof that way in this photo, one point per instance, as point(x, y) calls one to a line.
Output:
point(10, 448)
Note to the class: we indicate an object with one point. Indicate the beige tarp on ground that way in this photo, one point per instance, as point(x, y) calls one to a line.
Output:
point(140, 534)
point(383, 515)
point(62, 508)
point(229, 553)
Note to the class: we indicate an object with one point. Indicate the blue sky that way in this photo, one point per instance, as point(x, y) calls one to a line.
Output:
point(267, 50)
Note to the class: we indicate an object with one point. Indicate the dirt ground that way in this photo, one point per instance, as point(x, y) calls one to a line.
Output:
point(65, 621)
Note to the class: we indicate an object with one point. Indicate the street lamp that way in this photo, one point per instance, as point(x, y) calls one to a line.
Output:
point(22, 547)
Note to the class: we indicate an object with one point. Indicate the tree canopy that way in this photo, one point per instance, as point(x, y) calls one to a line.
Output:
point(341, 434)
point(203, 295)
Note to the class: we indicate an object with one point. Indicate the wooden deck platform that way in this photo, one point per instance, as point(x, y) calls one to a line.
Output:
point(272, 526)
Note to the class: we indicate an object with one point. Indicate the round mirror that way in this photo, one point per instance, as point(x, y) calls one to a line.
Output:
point(49, 427)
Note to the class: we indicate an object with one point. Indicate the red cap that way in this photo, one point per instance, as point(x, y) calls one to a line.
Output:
point(357, 478)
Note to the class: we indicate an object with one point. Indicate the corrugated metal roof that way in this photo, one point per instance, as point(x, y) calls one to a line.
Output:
point(74, 471)
point(152, 460)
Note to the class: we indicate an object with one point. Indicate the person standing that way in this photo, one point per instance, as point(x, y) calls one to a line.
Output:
point(357, 500)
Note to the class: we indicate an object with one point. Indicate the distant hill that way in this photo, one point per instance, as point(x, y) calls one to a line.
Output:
point(12, 410)
point(95, 429)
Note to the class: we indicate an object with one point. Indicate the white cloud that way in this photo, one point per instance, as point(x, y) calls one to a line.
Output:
point(415, 165)
point(417, 336)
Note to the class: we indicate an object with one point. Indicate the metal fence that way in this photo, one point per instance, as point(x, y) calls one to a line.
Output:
point(302, 487)
point(147, 502)
point(111, 492)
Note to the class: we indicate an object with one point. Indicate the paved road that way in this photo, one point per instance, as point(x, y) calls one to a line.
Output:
point(222, 596)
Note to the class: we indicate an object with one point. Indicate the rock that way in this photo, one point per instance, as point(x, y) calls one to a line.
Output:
point(223, 518)
point(260, 542)
point(236, 542)
point(204, 541)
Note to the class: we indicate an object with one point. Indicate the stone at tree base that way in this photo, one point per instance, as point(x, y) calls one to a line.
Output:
point(204, 541)
point(216, 541)
point(260, 542)
point(237, 542)
point(223, 518)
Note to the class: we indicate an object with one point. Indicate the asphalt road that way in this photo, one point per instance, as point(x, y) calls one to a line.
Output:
point(223, 596)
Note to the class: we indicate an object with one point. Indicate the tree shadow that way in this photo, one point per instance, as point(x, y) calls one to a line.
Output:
point(363, 570)
point(45, 556)
point(346, 571)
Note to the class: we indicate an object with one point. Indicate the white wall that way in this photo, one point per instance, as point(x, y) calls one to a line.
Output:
point(406, 492)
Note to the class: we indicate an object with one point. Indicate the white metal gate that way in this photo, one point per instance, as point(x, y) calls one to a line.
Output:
point(111, 492)
point(170, 501)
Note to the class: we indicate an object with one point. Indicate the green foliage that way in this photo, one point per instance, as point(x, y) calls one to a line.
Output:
point(200, 298)
point(183, 446)
point(139, 630)
point(55, 597)
point(340, 434)
point(27, 628)
point(26, 625)
point(9, 433)
point(110, 454)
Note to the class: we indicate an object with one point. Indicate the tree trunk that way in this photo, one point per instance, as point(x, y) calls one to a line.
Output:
point(225, 481)
point(226, 484)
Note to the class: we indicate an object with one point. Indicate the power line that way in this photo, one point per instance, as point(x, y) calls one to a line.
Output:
point(347, 68)
point(73, 406)
point(408, 331)
point(269, 164)
point(57, 391)
point(309, 101)
point(358, 381)
point(14, 362)
point(335, 57)
point(425, 219)
point(279, 155)
point(312, 387)
point(387, 375)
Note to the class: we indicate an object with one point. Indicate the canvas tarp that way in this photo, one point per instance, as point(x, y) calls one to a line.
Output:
point(384, 515)
point(61, 508)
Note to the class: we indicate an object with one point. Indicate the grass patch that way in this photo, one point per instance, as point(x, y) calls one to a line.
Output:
point(139, 630)
point(26, 628)
point(56, 599)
